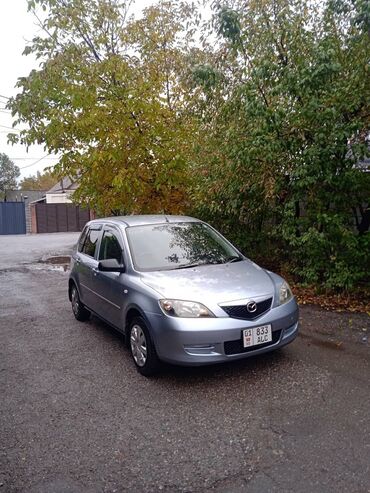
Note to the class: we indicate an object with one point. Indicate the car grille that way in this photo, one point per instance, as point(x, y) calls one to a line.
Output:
point(236, 347)
point(240, 311)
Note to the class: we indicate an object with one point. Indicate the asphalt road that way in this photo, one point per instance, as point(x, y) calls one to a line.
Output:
point(77, 417)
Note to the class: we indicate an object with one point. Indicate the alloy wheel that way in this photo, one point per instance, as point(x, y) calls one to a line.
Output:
point(138, 344)
point(75, 301)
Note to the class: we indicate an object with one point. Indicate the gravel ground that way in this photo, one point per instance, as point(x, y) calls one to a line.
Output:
point(77, 417)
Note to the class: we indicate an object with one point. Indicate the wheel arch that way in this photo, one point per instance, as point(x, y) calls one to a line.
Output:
point(71, 283)
point(133, 311)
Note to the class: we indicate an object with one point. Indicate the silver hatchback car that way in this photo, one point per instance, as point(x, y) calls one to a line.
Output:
point(178, 291)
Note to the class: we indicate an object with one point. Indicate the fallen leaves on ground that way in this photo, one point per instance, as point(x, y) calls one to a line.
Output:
point(357, 301)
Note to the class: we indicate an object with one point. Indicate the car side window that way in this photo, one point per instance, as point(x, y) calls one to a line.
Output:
point(90, 242)
point(82, 238)
point(110, 247)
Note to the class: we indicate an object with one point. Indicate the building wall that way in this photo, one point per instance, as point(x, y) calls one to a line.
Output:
point(59, 198)
point(28, 217)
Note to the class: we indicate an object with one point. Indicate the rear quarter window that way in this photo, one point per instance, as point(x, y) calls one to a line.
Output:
point(82, 238)
point(90, 243)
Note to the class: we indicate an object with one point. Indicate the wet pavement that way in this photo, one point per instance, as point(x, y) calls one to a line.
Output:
point(77, 417)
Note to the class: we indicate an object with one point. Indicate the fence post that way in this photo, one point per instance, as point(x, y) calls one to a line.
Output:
point(33, 218)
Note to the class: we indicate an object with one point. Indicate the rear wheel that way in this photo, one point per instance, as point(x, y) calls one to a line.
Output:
point(79, 311)
point(142, 348)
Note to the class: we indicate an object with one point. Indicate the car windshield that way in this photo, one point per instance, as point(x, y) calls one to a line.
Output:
point(178, 246)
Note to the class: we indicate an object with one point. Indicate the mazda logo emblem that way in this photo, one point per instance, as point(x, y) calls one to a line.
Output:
point(252, 306)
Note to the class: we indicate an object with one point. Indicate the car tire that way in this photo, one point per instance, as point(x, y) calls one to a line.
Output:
point(142, 348)
point(79, 311)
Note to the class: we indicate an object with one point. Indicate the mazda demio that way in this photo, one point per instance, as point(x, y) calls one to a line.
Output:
point(179, 291)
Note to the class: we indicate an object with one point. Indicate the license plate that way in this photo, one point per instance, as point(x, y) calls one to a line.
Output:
point(257, 335)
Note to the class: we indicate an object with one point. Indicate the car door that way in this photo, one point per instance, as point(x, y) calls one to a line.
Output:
point(87, 265)
point(110, 286)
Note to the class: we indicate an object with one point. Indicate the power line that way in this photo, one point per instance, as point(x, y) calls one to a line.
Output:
point(10, 128)
point(36, 162)
point(5, 97)
point(33, 158)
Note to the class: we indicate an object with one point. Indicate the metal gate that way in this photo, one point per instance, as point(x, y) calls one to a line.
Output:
point(12, 218)
point(55, 218)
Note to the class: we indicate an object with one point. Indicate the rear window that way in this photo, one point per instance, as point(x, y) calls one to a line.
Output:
point(91, 242)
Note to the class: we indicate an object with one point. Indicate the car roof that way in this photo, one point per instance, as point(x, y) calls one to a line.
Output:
point(142, 220)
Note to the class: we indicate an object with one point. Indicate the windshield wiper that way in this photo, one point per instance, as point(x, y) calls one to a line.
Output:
point(188, 266)
point(234, 258)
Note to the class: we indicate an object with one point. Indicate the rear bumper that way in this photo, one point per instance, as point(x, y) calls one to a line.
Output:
point(192, 342)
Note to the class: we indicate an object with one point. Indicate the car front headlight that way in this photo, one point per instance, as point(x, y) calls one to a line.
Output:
point(184, 309)
point(285, 293)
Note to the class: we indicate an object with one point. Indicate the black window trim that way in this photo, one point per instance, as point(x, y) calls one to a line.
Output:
point(92, 227)
point(118, 234)
point(83, 232)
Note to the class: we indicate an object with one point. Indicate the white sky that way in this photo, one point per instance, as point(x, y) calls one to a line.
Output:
point(17, 26)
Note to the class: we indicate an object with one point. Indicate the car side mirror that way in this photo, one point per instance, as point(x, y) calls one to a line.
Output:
point(111, 265)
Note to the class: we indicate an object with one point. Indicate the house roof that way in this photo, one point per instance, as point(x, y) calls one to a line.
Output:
point(63, 185)
point(24, 195)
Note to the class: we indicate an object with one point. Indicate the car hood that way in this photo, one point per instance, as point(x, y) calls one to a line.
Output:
point(217, 283)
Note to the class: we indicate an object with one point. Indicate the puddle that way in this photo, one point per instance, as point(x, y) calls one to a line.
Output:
point(50, 267)
point(336, 345)
point(57, 260)
point(58, 263)
point(21, 270)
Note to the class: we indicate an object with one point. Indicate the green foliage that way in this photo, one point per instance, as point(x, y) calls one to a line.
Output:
point(260, 129)
point(280, 162)
point(109, 97)
point(39, 181)
point(228, 24)
point(9, 173)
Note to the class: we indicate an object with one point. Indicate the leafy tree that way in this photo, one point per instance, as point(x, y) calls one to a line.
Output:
point(287, 125)
point(108, 97)
point(9, 173)
point(261, 129)
point(40, 181)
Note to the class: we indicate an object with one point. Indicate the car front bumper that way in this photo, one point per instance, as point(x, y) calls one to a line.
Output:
point(192, 342)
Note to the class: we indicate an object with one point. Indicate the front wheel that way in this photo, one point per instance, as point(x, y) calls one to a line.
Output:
point(142, 348)
point(79, 311)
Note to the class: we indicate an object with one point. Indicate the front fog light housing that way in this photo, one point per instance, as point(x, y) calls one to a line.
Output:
point(184, 309)
point(285, 293)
